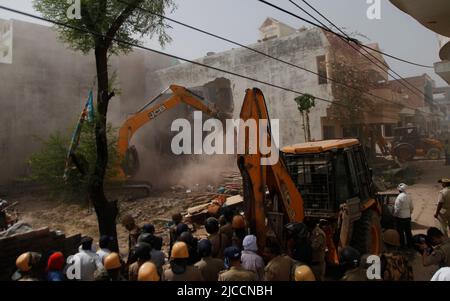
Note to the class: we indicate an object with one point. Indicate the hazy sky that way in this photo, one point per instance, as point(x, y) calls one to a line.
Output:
point(396, 32)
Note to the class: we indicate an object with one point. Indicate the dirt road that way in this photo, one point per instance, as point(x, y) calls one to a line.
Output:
point(424, 195)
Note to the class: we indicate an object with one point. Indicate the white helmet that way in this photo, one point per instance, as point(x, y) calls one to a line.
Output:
point(402, 187)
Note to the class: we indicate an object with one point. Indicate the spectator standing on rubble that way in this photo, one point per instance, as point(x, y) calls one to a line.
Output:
point(209, 266)
point(250, 259)
point(443, 207)
point(403, 209)
point(133, 234)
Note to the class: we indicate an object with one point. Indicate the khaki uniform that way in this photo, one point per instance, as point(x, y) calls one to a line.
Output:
point(192, 273)
point(319, 247)
point(357, 274)
point(440, 255)
point(444, 215)
point(279, 269)
point(237, 274)
point(210, 268)
point(396, 267)
point(133, 270)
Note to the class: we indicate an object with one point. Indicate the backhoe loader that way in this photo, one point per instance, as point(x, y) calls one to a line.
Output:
point(325, 180)
point(128, 160)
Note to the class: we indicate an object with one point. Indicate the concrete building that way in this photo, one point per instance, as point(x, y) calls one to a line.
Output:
point(422, 110)
point(312, 49)
point(44, 85)
point(303, 48)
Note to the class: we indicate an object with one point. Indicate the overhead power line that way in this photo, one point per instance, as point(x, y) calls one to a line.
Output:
point(366, 46)
point(266, 55)
point(345, 39)
point(97, 34)
point(350, 40)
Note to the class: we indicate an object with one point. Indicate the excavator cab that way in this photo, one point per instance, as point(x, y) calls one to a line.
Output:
point(328, 174)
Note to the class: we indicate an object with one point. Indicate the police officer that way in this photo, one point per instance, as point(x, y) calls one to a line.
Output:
point(179, 269)
point(279, 266)
point(141, 255)
point(350, 259)
point(148, 272)
point(443, 207)
point(304, 273)
point(319, 247)
point(440, 255)
point(208, 266)
point(235, 272)
point(113, 267)
point(28, 265)
point(395, 265)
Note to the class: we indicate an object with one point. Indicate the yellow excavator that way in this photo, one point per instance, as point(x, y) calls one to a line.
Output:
point(128, 160)
point(324, 180)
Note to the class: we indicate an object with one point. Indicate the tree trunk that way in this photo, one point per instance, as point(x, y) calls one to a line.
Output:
point(308, 129)
point(304, 126)
point(106, 211)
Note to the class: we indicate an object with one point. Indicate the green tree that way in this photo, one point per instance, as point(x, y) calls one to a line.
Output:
point(103, 22)
point(47, 165)
point(304, 104)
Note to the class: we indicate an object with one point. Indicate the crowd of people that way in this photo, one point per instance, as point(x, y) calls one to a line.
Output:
point(230, 253)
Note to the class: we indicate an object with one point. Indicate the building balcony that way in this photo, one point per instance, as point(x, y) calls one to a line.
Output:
point(434, 16)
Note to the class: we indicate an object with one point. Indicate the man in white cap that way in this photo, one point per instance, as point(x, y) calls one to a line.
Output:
point(403, 210)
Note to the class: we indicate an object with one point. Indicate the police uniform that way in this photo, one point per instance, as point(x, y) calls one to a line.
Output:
point(440, 255)
point(210, 268)
point(191, 273)
point(279, 269)
point(237, 274)
point(396, 267)
point(318, 244)
point(444, 215)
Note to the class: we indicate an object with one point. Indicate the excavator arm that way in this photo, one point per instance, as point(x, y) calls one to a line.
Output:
point(144, 116)
point(264, 182)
